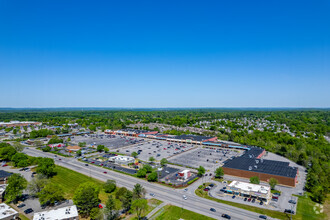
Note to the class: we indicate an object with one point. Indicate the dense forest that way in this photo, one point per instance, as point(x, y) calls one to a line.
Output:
point(305, 142)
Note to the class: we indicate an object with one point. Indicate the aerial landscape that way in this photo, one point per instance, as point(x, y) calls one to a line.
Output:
point(164, 110)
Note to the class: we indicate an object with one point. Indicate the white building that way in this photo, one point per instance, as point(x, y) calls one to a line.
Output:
point(2, 190)
point(7, 213)
point(65, 213)
point(250, 190)
point(185, 174)
point(122, 159)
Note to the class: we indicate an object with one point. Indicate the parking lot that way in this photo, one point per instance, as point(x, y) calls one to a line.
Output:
point(156, 149)
point(110, 165)
point(206, 157)
point(109, 141)
point(279, 204)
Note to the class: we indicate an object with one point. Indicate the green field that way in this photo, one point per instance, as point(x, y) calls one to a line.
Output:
point(170, 212)
point(70, 180)
point(304, 209)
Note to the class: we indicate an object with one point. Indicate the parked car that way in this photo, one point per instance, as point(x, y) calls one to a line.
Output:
point(28, 211)
point(249, 200)
point(206, 189)
point(100, 206)
point(226, 216)
point(289, 211)
point(233, 197)
point(151, 194)
point(245, 199)
point(253, 200)
point(20, 205)
point(261, 203)
point(292, 201)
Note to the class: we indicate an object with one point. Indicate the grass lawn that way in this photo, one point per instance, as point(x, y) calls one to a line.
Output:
point(170, 212)
point(304, 209)
point(152, 204)
point(70, 181)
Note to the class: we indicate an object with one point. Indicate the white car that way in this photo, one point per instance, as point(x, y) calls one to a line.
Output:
point(184, 197)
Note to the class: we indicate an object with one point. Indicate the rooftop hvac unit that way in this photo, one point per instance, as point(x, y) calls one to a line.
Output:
point(257, 161)
point(250, 168)
point(255, 166)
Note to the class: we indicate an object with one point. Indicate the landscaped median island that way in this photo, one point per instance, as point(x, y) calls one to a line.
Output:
point(304, 210)
point(170, 212)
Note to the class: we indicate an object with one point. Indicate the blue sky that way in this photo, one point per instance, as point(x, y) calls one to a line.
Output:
point(165, 53)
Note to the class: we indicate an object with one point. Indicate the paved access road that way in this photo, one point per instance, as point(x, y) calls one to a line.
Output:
point(166, 194)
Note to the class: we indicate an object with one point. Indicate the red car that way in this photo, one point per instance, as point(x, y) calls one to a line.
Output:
point(100, 206)
point(5, 165)
point(101, 164)
point(93, 162)
point(60, 159)
point(105, 172)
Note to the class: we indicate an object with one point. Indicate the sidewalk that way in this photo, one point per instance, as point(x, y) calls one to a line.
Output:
point(156, 209)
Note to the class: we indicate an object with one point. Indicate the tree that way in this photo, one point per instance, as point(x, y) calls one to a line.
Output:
point(95, 214)
point(152, 177)
point(78, 153)
point(138, 191)
point(139, 206)
point(111, 211)
point(120, 192)
point(37, 184)
point(18, 146)
point(100, 148)
point(147, 168)
point(55, 140)
point(46, 149)
point(134, 154)
point(82, 144)
point(126, 200)
point(16, 184)
point(141, 173)
point(20, 160)
point(86, 197)
point(219, 172)
point(254, 180)
point(201, 171)
point(50, 193)
point(151, 159)
point(163, 162)
point(109, 186)
point(106, 150)
point(37, 143)
point(46, 166)
point(273, 182)
point(7, 152)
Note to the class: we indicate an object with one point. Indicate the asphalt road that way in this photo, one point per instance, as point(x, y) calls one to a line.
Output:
point(166, 194)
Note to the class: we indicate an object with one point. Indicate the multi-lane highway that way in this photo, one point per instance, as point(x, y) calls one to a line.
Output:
point(166, 194)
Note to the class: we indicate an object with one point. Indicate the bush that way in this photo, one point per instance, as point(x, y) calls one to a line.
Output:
point(109, 186)
point(141, 173)
point(193, 180)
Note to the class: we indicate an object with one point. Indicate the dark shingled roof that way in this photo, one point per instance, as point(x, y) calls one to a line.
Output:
point(272, 167)
point(253, 152)
point(192, 137)
point(4, 174)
